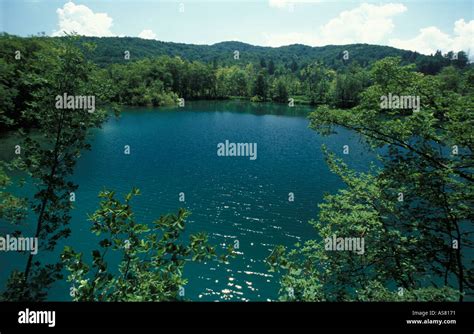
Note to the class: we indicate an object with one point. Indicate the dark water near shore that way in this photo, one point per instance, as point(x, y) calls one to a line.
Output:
point(231, 198)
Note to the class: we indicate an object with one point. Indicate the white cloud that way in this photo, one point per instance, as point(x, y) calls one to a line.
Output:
point(82, 20)
point(366, 23)
point(147, 34)
point(431, 39)
point(369, 23)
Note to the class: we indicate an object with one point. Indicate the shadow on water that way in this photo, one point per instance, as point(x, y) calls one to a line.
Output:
point(236, 106)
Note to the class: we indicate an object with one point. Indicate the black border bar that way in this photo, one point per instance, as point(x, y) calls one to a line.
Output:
point(82, 316)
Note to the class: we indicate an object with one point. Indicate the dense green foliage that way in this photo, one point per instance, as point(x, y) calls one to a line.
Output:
point(152, 258)
point(13, 209)
point(48, 156)
point(414, 211)
point(110, 50)
point(159, 73)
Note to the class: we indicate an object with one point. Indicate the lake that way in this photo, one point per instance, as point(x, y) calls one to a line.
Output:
point(174, 150)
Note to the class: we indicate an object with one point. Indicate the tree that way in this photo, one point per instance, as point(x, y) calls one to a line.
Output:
point(348, 86)
point(312, 272)
point(294, 66)
point(15, 85)
point(13, 209)
point(260, 86)
point(280, 92)
point(415, 210)
point(49, 157)
point(461, 60)
point(239, 86)
point(271, 67)
point(152, 257)
point(317, 80)
point(449, 78)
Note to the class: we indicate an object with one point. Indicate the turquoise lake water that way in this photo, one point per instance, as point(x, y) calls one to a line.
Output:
point(231, 198)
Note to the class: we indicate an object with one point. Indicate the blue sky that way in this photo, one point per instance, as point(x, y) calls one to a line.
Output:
point(423, 26)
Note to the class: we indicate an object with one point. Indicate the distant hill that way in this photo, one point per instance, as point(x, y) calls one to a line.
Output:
point(111, 50)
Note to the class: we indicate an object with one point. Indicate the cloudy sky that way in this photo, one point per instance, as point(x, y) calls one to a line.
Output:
point(424, 25)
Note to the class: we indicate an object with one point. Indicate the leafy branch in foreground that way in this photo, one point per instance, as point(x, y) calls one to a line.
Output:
point(13, 209)
point(390, 268)
point(53, 139)
point(151, 258)
point(414, 212)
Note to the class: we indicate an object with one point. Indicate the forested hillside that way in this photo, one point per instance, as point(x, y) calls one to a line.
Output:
point(111, 50)
point(133, 71)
